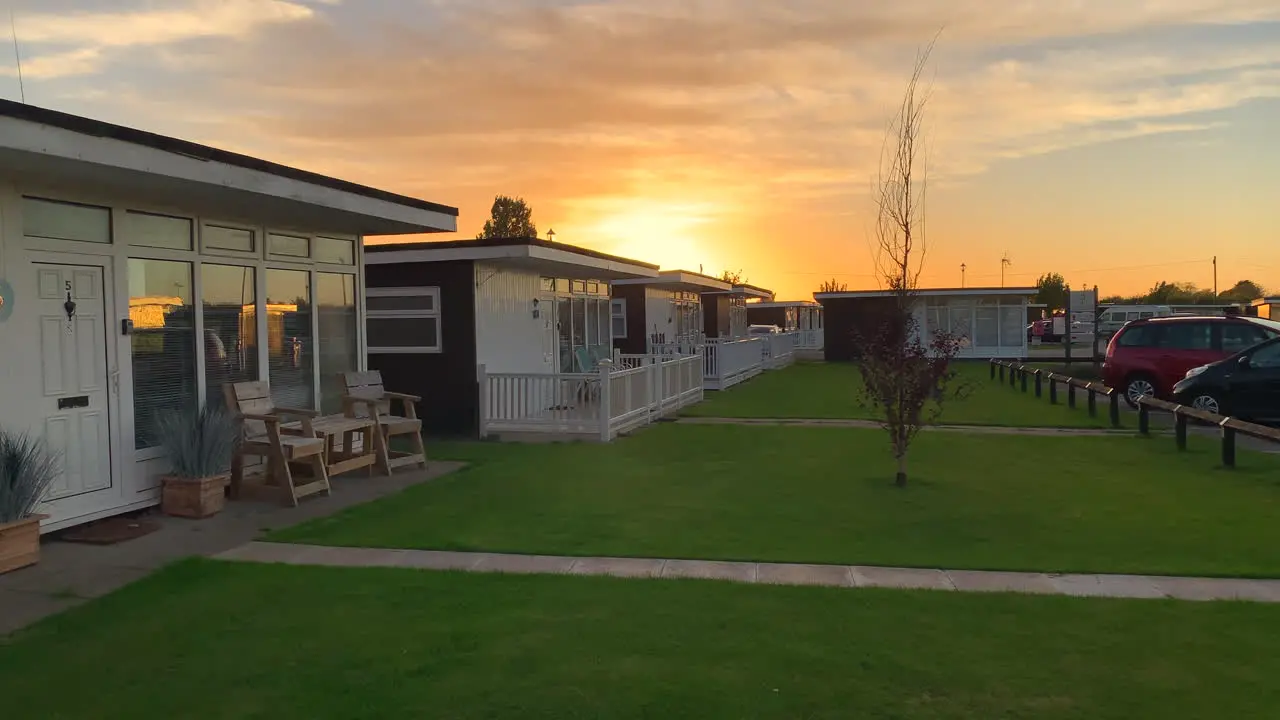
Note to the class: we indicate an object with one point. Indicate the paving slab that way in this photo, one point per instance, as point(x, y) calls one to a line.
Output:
point(349, 556)
point(265, 552)
point(994, 581)
point(910, 578)
point(618, 567)
point(496, 562)
point(787, 574)
point(710, 570)
point(1117, 586)
point(1219, 589)
point(23, 608)
point(438, 559)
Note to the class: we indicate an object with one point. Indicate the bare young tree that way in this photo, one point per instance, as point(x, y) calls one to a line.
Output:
point(904, 377)
point(833, 285)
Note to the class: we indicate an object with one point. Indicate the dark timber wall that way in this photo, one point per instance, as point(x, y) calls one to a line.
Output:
point(767, 316)
point(445, 381)
point(841, 317)
point(637, 327)
point(715, 315)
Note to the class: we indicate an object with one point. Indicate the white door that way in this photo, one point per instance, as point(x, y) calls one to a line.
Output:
point(74, 410)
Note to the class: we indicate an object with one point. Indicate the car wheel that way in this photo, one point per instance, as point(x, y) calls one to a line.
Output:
point(1136, 387)
point(1209, 403)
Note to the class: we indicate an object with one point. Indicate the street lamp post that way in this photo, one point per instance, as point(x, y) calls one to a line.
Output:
point(962, 267)
point(551, 235)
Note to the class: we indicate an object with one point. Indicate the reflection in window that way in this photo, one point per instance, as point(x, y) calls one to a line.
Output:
point(336, 319)
point(158, 231)
point(65, 221)
point(289, 342)
point(230, 328)
point(1013, 326)
point(986, 330)
point(163, 341)
point(334, 250)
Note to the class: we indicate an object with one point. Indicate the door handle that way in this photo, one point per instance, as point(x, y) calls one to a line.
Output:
point(115, 382)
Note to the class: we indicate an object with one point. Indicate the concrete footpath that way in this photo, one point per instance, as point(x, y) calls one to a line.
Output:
point(69, 574)
point(845, 576)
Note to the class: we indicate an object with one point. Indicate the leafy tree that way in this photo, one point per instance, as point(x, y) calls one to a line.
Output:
point(733, 277)
point(510, 217)
point(832, 286)
point(905, 379)
point(1243, 292)
point(1051, 289)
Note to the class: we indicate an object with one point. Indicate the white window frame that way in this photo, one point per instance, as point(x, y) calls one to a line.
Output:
point(371, 315)
point(618, 310)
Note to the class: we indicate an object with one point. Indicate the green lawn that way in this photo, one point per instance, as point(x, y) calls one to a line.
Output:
point(206, 639)
point(1088, 504)
point(833, 390)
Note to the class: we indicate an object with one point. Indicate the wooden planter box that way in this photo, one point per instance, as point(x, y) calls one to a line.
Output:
point(193, 498)
point(20, 543)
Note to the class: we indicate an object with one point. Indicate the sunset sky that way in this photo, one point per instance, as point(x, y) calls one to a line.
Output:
point(1119, 142)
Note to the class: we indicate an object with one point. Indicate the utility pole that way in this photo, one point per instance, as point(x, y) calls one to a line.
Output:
point(962, 267)
point(1215, 277)
point(1004, 262)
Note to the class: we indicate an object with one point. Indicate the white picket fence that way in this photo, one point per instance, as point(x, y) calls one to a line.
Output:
point(729, 362)
point(619, 397)
point(778, 350)
point(809, 339)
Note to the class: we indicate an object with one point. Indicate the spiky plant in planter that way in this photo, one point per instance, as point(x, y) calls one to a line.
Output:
point(27, 469)
point(200, 445)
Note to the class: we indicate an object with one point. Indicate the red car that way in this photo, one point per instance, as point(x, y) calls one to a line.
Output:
point(1148, 357)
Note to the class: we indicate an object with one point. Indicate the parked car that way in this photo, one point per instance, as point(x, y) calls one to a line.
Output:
point(1114, 317)
point(763, 330)
point(1245, 385)
point(1147, 357)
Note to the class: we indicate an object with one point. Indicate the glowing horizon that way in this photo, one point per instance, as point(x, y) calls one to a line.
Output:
point(1118, 143)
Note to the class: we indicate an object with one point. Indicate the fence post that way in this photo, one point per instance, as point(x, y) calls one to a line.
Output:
point(1144, 419)
point(1001, 366)
point(1114, 397)
point(1053, 389)
point(1039, 377)
point(482, 382)
point(1022, 375)
point(992, 366)
point(606, 391)
point(1180, 429)
point(1093, 400)
point(1228, 444)
point(1013, 375)
point(1071, 394)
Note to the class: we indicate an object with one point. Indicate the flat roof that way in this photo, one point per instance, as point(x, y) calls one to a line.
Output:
point(99, 128)
point(680, 280)
point(784, 304)
point(535, 253)
point(745, 290)
point(929, 292)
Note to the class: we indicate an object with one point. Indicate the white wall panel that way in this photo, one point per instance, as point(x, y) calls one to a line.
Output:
point(509, 339)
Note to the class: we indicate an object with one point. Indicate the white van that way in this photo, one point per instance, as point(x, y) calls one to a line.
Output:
point(1113, 318)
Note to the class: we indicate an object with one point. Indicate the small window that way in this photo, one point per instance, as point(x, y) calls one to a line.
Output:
point(1266, 357)
point(618, 314)
point(65, 221)
point(335, 250)
point(1188, 336)
point(1139, 336)
point(217, 237)
point(548, 284)
point(158, 231)
point(403, 320)
point(288, 245)
point(1145, 315)
point(578, 286)
point(562, 285)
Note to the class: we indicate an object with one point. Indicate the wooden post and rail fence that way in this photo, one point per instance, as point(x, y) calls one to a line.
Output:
point(1017, 375)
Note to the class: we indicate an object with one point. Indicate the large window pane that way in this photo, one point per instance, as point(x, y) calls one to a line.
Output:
point(160, 231)
point(163, 342)
point(986, 331)
point(579, 332)
point(230, 328)
point(564, 322)
point(289, 341)
point(65, 221)
point(1013, 325)
point(422, 333)
point(336, 320)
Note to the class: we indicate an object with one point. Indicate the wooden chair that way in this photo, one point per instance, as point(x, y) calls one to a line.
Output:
point(264, 436)
point(366, 397)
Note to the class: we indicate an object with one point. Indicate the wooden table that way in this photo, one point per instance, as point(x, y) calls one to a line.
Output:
point(339, 433)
